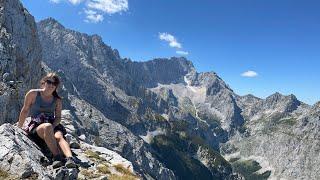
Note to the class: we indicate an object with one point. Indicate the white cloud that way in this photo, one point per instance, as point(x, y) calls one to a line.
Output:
point(54, 1)
point(183, 53)
point(108, 6)
point(93, 16)
point(95, 9)
point(75, 2)
point(171, 39)
point(249, 74)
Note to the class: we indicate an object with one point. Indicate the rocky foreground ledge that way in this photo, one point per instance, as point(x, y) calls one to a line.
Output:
point(21, 158)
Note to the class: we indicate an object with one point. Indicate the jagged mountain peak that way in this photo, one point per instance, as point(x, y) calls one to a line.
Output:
point(287, 103)
point(51, 22)
point(276, 97)
point(66, 43)
point(249, 99)
point(54, 25)
point(211, 81)
point(251, 96)
point(292, 96)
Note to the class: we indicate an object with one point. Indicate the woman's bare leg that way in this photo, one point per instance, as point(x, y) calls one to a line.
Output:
point(45, 132)
point(63, 144)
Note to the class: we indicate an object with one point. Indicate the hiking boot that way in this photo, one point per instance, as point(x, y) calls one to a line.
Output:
point(70, 163)
point(57, 161)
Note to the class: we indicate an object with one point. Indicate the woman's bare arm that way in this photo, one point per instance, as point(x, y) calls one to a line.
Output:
point(58, 113)
point(26, 107)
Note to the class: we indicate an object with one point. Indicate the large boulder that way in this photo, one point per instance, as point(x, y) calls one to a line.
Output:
point(20, 157)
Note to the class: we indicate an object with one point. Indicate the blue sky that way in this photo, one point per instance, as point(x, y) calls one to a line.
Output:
point(258, 47)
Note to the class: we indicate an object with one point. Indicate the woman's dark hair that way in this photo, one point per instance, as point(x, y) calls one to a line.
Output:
point(56, 79)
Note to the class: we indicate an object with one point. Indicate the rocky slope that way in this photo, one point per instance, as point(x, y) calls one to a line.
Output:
point(20, 56)
point(288, 148)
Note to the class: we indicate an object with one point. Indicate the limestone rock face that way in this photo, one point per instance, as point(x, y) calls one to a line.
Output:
point(20, 56)
point(159, 71)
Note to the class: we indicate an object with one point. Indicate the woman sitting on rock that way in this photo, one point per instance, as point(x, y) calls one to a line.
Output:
point(44, 106)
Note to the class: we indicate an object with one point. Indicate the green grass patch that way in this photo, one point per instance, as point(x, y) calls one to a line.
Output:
point(4, 174)
point(89, 174)
point(288, 121)
point(122, 177)
point(125, 172)
point(94, 155)
point(248, 169)
point(103, 168)
point(122, 169)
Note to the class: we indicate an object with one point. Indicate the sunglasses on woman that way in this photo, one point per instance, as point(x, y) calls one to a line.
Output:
point(51, 82)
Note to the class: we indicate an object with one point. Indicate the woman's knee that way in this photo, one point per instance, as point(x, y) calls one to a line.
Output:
point(58, 135)
point(47, 126)
point(43, 129)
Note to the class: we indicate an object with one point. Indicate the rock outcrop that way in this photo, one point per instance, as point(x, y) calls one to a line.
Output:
point(20, 56)
point(20, 157)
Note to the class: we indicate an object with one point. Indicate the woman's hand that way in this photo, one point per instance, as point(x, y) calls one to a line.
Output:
point(57, 113)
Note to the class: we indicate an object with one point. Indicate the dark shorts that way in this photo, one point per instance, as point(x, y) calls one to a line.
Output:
point(34, 136)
